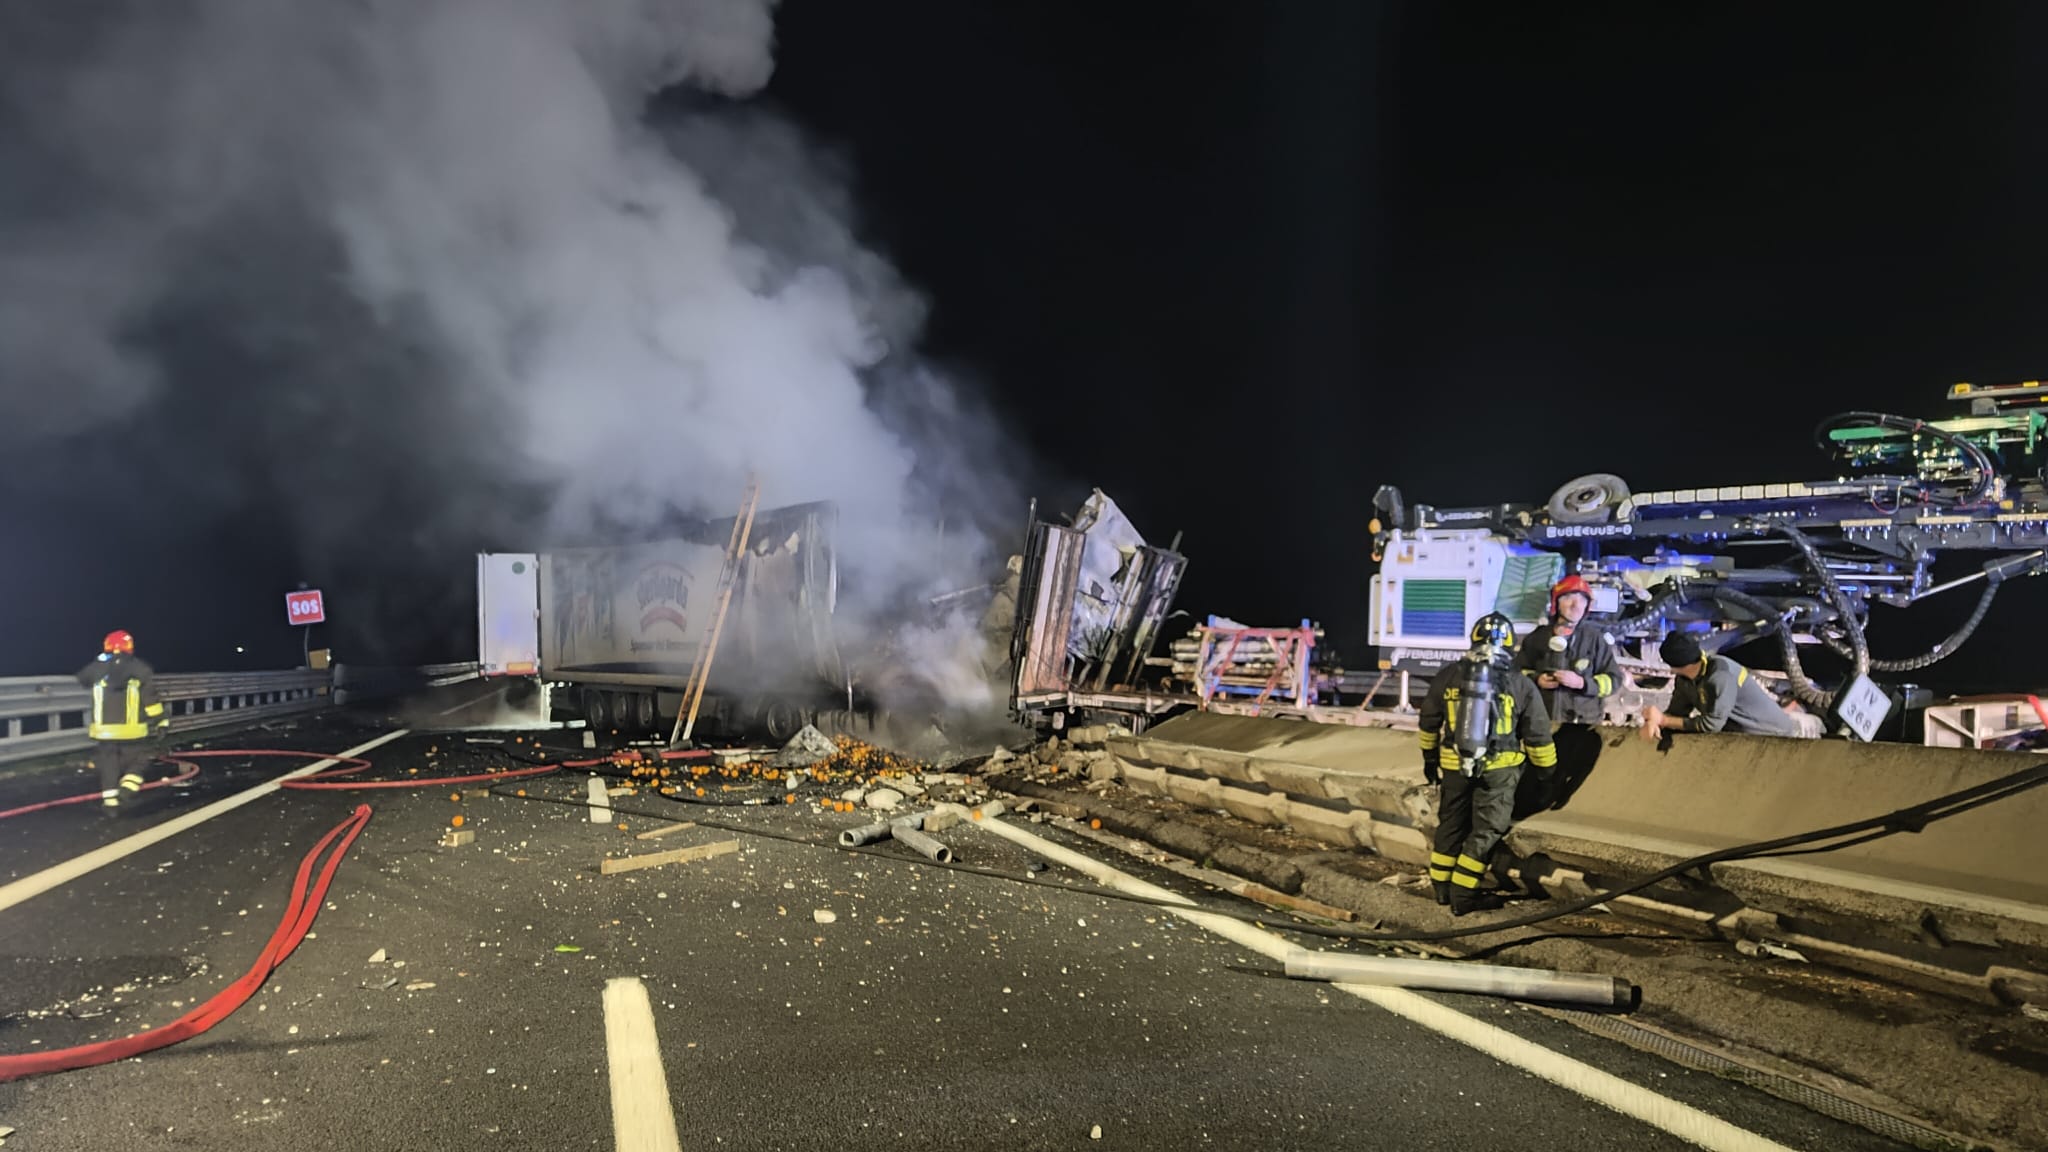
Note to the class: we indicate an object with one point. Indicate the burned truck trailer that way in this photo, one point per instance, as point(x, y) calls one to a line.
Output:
point(612, 634)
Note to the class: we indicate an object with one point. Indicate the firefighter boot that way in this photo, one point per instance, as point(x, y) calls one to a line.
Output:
point(1465, 900)
point(1443, 890)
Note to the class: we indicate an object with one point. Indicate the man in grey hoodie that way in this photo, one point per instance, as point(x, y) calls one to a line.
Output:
point(1717, 694)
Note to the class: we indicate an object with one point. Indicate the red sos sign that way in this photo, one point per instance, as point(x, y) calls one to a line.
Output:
point(305, 607)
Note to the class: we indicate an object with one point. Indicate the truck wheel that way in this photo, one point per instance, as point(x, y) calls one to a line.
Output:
point(1590, 499)
point(644, 714)
point(597, 710)
point(783, 720)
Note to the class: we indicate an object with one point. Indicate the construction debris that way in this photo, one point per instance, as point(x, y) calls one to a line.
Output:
point(612, 866)
point(665, 829)
point(457, 837)
point(824, 916)
point(809, 746)
point(378, 957)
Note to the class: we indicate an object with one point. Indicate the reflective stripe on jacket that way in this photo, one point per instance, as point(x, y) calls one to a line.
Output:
point(124, 700)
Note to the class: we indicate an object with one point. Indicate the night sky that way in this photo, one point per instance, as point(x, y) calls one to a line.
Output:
point(1237, 265)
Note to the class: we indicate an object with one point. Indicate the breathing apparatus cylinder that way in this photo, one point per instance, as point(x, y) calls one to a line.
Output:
point(1477, 699)
point(1553, 658)
point(1489, 661)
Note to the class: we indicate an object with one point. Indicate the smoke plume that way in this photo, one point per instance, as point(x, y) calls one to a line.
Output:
point(470, 272)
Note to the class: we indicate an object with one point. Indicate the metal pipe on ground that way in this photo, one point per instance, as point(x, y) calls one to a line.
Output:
point(864, 835)
point(922, 844)
point(1602, 992)
point(907, 830)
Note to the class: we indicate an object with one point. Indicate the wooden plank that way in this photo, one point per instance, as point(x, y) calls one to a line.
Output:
point(665, 829)
point(614, 865)
point(1298, 903)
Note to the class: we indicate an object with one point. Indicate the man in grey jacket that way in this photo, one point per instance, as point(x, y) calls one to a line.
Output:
point(1716, 694)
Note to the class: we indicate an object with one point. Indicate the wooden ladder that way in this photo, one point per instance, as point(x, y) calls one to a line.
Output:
point(700, 667)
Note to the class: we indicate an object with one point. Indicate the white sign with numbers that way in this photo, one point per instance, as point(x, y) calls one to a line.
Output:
point(1863, 707)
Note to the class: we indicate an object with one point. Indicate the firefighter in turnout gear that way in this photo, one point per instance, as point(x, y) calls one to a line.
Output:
point(125, 714)
point(1573, 664)
point(1480, 722)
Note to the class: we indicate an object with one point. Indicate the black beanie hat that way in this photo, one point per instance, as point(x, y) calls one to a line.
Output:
point(1679, 650)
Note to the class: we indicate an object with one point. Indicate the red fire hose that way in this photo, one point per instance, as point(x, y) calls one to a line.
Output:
point(189, 771)
point(307, 894)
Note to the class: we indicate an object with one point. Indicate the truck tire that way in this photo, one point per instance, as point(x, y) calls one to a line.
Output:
point(644, 713)
point(783, 720)
point(1590, 499)
point(597, 710)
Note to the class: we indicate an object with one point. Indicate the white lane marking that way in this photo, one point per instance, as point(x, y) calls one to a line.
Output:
point(642, 1120)
point(499, 690)
point(29, 887)
point(1633, 1100)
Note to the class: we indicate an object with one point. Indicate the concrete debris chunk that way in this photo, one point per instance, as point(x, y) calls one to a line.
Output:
point(419, 985)
point(379, 956)
point(824, 916)
point(457, 837)
point(807, 747)
point(885, 798)
point(852, 795)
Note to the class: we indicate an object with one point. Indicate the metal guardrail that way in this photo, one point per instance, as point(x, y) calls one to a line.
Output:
point(46, 715)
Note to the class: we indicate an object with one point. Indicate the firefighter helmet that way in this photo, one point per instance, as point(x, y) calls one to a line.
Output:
point(1567, 586)
point(1494, 632)
point(118, 641)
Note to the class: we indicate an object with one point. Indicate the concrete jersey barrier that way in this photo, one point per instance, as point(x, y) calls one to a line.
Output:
point(1978, 879)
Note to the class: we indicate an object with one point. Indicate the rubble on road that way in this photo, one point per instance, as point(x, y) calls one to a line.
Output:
point(804, 749)
point(1758, 1002)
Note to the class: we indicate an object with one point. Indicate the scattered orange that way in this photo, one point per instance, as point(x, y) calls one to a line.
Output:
point(456, 822)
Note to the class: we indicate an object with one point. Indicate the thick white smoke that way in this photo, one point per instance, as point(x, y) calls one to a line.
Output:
point(472, 218)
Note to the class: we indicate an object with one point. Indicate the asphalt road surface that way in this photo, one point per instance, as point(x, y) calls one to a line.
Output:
point(929, 1009)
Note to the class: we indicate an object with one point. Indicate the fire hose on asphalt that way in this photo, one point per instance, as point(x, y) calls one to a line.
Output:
point(308, 892)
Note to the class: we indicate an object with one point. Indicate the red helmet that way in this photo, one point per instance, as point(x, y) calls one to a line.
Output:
point(118, 641)
point(1567, 586)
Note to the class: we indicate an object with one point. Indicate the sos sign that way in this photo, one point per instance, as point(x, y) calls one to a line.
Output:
point(305, 607)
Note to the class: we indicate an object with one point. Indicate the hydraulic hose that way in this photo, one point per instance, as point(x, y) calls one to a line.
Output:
point(1980, 460)
point(1941, 650)
point(308, 893)
point(1851, 623)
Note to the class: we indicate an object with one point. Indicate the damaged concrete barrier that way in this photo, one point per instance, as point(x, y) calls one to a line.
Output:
point(1974, 881)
